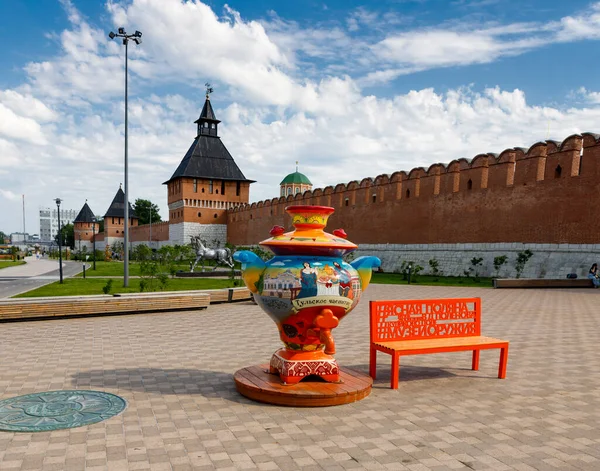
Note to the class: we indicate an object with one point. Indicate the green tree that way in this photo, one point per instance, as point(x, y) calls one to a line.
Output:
point(145, 210)
point(2, 237)
point(68, 236)
point(522, 259)
point(498, 262)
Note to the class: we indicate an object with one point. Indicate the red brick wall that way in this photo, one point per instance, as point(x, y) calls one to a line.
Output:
point(517, 196)
point(201, 205)
point(114, 227)
point(84, 230)
point(160, 231)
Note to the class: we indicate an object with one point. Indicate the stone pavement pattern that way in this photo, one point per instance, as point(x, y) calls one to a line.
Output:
point(175, 370)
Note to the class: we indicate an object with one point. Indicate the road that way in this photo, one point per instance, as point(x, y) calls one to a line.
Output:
point(33, 274)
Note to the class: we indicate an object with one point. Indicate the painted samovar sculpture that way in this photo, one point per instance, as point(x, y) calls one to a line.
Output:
point(306, 288)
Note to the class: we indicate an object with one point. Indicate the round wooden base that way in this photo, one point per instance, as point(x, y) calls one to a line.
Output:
point(255, 382)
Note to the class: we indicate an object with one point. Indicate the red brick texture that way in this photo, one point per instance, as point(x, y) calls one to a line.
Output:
point(546, 194)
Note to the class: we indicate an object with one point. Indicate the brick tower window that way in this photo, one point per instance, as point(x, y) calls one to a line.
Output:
point(210, 187)
point(195, 185)
point(408, 193)
point(223, 187)
point(470, 185)
point(237, 189)
point(557, 171)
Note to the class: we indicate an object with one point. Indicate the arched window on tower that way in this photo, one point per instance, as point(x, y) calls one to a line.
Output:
point(297, 190)
point(470, 184)
point(210, 186)
point(408, 193)
point(289, 190)
point(558, 171)
point(282, 191)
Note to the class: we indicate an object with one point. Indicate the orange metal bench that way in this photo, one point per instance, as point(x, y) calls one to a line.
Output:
point(417, 326)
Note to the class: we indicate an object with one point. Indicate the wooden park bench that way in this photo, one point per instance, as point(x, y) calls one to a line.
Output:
point(66, 306)
point(419, 326)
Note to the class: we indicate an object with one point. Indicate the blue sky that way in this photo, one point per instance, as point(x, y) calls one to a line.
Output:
point(348, 88)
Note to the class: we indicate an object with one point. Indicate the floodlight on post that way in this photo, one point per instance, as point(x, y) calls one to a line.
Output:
point(136, 37)
point(58, 201)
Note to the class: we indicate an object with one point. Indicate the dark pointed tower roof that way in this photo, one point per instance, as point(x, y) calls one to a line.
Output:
point(117, 207)
point(207, 112)
point(208, 157)
point(85, 215)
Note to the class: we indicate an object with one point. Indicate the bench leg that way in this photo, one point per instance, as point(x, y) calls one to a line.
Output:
point(503, 362)
point(475, 362)
point(373, 363)
point(395, 370)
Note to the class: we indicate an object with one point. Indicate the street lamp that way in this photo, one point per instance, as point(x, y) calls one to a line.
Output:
point(150, 215)
point(58, 201)
point(137, 38)
point(94, 242)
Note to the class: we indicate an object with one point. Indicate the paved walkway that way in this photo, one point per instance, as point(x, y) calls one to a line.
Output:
point(175, 370)
point(33, 267)
point(34, 274)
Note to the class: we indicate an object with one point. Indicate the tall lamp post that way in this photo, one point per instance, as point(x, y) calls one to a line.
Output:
point(137, 38)
point(58, 201)
point(94, 242)
point(150, 215)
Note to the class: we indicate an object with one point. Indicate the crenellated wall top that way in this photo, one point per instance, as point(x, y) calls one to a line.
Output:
point(490, 161)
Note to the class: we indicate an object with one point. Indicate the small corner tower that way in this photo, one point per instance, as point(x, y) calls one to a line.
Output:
point(205, 185)
point(114, 219)
point(295, 183)
point(83, 228)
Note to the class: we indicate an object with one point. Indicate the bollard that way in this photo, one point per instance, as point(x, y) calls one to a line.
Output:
point(84, 271)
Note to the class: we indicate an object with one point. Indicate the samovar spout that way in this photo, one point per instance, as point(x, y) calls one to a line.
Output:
point(325, 322)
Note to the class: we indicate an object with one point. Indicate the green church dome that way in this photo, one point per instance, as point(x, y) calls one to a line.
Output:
point(296, 177)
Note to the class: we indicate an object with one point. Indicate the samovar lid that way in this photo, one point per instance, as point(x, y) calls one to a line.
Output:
point(309, 238)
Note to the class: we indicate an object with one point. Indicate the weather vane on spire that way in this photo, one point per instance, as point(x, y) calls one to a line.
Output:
point(209, 89)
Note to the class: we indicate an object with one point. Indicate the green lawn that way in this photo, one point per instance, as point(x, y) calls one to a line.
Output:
point(79, 286)
point(429, 280)
point(116, 268)
point(10, 263)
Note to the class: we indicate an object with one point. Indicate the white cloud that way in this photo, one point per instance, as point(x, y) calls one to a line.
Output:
point(284, 93)
point(19, 127)
point(9, 195)
point(585, 95)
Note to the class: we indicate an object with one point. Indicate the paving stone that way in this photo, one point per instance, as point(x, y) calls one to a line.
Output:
point(175, 371)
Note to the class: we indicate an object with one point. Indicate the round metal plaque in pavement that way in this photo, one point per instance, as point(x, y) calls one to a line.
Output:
point(54, 410)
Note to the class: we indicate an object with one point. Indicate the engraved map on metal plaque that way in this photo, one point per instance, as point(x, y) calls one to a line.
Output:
point(54, 410)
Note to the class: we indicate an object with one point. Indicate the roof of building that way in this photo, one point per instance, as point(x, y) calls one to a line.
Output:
point(296, 177)
point(207, 112)
point(208, 158)
point(117, 207)
point(85, 215)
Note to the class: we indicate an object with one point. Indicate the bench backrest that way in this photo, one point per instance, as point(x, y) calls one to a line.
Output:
point(414, 319)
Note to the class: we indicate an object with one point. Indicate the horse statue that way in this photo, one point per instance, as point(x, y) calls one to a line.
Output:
point(220, 256)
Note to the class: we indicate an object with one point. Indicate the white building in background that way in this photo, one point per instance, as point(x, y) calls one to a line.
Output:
point(49, 221)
